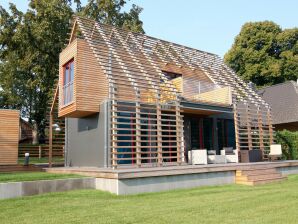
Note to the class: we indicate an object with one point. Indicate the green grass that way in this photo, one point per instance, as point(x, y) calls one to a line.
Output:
point(35, 160)
point(30, 176)
point(274, 203)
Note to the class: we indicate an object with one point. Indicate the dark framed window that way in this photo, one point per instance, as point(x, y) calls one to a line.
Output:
point(226, 133)
point(171, 75)
point(68, 77)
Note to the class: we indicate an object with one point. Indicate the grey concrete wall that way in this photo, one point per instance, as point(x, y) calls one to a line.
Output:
point(164, 183)
point(288, 170)
point(18, 189)
point(105, 184)
point(86, 140)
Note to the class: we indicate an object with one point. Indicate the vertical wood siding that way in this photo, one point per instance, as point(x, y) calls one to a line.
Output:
point(70, 52)
point(9, 136)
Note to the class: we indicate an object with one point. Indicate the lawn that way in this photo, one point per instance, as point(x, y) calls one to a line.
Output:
point(29, 176)
point(35, 160)
point(274, 203)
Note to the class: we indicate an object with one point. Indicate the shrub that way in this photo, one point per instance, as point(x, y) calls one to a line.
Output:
point(289, 143)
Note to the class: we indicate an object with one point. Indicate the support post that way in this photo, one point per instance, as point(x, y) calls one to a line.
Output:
point(248, 118)
point(178, 135)
point(39, 151)
point(51, 124)
point(114, 134)
point(215, 135)
point(270, 127)
point(138, 133)
point(51, 139)
point(260, 125)
point(159, 134)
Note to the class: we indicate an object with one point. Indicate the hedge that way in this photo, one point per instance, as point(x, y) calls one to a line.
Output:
point(289, 143)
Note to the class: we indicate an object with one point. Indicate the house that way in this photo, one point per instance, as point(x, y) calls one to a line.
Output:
point(9, 136)
point(283, 99)
point(130, 100)
point(26, 132)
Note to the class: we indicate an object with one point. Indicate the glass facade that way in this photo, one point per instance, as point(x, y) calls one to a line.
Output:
point(226, 133)
point(203, 133)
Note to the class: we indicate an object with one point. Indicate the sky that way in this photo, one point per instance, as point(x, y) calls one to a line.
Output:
point(208, 25)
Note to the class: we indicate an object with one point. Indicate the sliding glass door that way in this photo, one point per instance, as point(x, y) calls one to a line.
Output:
point(226, 133)
point(201, 133)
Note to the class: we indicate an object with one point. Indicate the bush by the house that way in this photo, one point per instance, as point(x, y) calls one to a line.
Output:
point(289, 143)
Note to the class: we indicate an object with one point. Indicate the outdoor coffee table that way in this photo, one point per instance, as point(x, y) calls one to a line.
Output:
point(217, 159)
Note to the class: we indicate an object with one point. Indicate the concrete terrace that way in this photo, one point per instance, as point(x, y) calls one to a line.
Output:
point(154, 179)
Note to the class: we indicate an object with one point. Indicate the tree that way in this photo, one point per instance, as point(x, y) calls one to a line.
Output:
point(264, 53)
point(30, 44)
point(109, 12)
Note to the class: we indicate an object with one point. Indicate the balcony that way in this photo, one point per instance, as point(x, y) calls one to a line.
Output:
point(203, 91)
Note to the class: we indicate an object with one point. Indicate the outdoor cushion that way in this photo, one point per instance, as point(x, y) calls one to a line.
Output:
point(211, 152)
point(229, 150)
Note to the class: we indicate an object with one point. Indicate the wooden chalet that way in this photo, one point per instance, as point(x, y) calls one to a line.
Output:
point(133, 100)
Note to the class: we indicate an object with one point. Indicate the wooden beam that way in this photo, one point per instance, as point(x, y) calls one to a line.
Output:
point(271, 141)
point(248, 128)
point(55, 99)
point(51, 139)
point(236, 127)
point(261, 135)
point(159, 136)
point(138, 133)
point(72, 31)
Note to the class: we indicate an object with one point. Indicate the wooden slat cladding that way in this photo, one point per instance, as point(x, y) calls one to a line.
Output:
point(218, 96)
point(69, 53)
point(178, 83)
point(90, 86)
point(9, 136)
point(134, 66)
point(91, 82)
point(193, 81)
point(144, 103)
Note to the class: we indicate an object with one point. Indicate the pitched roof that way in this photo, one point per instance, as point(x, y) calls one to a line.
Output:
point(283, 99)
point(123, 44)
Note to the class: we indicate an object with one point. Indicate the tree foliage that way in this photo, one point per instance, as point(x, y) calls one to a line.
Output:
point(30, 43)
point(110, 12)
point(264, 53)
point(289, 143)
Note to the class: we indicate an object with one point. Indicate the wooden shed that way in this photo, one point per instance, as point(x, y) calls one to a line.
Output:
point(9, 136)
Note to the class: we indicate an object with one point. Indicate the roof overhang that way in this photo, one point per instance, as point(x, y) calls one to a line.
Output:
point(190, 107)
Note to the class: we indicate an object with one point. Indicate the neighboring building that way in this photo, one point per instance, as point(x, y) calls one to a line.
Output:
point(9, 136)
point(26, 132)
point(134, 100)
point(283, 99)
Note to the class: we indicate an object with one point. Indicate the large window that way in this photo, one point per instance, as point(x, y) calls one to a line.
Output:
point(68, 82)
point(201, 133)
point(226, 133)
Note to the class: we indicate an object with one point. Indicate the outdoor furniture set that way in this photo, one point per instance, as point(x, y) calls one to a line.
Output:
point(230, 155)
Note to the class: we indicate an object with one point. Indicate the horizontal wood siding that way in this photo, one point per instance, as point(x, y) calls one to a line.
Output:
point(70, 52)
point(9, 136)
point(91, 82)
point(219, 96)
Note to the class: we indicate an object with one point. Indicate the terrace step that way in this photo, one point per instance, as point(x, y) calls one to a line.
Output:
point(18, 168)
point(259, 176)
point(261, 182)
point(256, 171)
